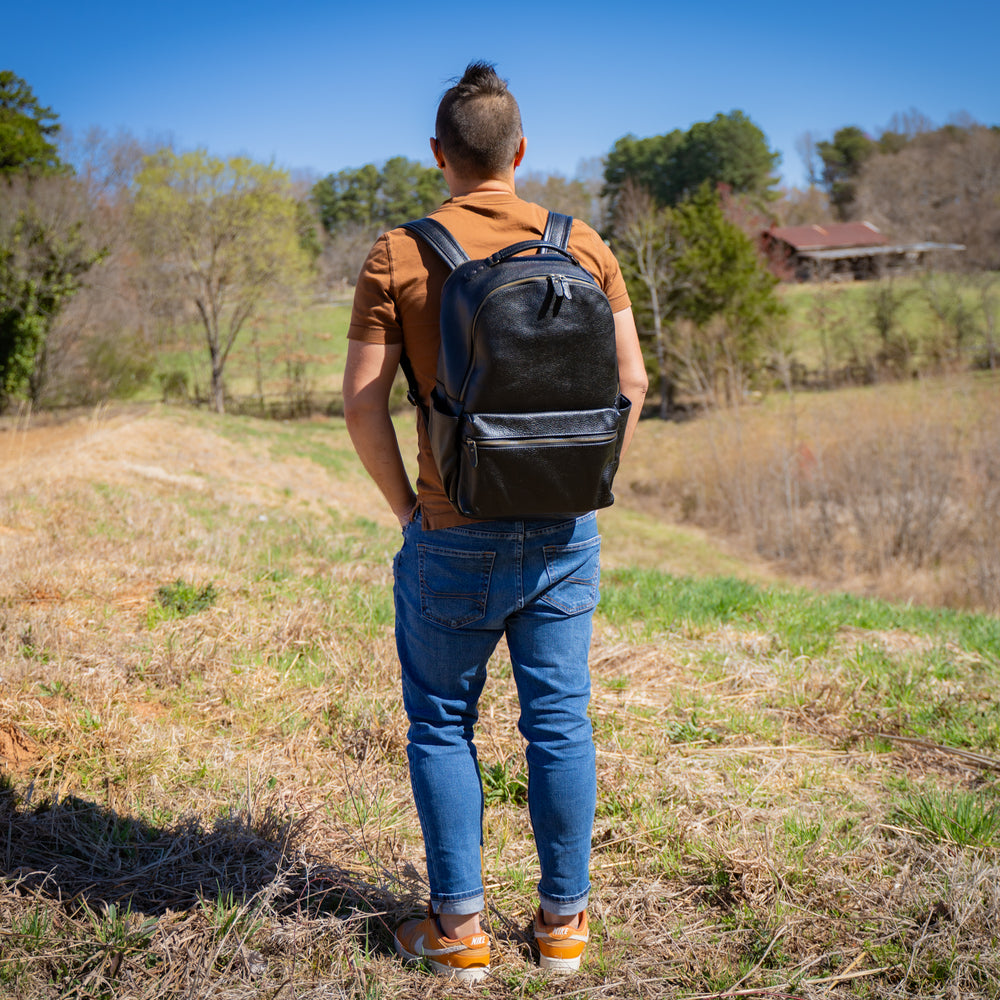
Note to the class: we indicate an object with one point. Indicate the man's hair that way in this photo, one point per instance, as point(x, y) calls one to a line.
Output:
point(479, 123)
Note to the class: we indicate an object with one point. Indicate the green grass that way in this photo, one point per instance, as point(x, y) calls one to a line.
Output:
point(968, 819)
point(267, 350)
point(805, 623)
point(836, 322)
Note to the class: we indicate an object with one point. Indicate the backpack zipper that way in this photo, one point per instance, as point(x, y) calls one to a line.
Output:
point(518, 442)
point(565, 291)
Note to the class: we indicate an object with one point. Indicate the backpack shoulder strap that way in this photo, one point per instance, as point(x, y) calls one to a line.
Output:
point(451, 252)
point(447, 247)
point(557, 229)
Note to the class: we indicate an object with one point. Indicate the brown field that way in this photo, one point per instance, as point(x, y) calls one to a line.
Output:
point(215, 803)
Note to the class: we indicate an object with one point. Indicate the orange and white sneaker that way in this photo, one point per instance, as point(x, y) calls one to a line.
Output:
point(465, 958)
point(561, 947)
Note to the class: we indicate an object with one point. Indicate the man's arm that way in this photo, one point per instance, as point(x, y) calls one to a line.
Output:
point(632, 378)
point(368, 380)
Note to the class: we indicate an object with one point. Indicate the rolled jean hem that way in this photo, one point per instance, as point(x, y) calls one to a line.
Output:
point(460, 907)
point(563, 907)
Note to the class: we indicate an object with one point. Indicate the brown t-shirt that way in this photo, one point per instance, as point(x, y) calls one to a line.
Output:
point(398, 299)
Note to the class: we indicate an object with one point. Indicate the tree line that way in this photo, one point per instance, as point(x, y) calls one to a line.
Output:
point(101, 260)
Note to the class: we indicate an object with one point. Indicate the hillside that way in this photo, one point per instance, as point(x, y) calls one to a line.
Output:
point(204, 774)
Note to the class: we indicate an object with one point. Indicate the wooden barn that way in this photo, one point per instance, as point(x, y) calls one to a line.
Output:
point(842, 251)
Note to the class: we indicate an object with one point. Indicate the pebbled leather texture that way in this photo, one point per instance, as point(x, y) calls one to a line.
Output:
point(526, 419)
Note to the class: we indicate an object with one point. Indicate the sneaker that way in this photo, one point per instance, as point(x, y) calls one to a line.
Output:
point(561, 947)
point(464, 958)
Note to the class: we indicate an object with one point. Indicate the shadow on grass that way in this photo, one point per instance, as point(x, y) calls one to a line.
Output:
point(81, 855)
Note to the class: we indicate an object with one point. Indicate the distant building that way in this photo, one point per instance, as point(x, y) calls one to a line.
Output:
point(842, 251)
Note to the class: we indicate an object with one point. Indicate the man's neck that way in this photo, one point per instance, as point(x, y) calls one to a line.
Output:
point(460, 187)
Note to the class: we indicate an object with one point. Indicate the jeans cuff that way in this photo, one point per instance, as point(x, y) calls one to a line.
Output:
point(564, 907)
point(460, 907)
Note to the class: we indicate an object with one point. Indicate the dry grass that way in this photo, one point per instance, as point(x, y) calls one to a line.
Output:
point(893, 490)
point(217, 805)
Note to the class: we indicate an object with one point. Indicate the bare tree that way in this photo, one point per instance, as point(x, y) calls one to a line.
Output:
point(103, 343)
point(942, 186)
point(555, 192)
point(650, 252)
point(805, 146)
point(224, 234)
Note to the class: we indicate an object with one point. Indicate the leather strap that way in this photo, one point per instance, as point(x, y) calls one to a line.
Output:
point(447, 247)
point(557, 229)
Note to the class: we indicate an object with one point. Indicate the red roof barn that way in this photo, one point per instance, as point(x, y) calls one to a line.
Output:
point(840, 250)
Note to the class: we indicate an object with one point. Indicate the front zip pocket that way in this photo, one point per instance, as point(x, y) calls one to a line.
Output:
point(474, 446)
point(537, 464)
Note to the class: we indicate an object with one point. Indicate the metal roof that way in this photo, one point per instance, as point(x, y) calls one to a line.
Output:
point(830, 236)
point(878, 251)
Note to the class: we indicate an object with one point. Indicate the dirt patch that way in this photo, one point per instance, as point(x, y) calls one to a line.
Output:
point(17, 751)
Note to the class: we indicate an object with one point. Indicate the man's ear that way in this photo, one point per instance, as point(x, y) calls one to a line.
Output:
point(436, 150)
point(519, 155)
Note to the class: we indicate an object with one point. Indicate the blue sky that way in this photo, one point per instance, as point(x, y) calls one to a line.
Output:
point(322, 86)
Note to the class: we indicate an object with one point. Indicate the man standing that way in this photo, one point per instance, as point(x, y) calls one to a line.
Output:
point(462, 584)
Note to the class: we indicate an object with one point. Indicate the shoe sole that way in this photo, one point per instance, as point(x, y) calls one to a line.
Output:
point(559, 964)
point(472, 974)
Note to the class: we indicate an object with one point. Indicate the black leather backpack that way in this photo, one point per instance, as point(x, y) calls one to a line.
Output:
point(526, 419)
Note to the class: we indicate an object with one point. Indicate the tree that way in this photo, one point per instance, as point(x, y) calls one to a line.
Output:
point(46, 241)
point(26, 130)
point(843, 159)
point(224, 235)
point(378, 199)
point(941, 186)
point(102, 343)
point(46, 246)
point(730, 300)
point(642, 163)
point(651, 255)
point(729, 149)
point(702, 293)
point(805, 146)
point(572, 197)
point(356, 204)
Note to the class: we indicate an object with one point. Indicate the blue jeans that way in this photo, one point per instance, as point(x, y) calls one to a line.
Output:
point(457, 591)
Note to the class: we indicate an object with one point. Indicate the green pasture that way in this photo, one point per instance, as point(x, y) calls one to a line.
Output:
point(281, 354)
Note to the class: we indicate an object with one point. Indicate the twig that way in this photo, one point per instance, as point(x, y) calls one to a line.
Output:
point(980, 760)
point(847, 976)
point(760, 961)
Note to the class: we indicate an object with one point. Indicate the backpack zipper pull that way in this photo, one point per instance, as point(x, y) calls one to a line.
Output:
point(473, 453)
point(560, 286)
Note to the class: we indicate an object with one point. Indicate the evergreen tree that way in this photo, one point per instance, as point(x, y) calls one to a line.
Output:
point(729, 149)
point(843, 159)
point(701, 294)
point(375, 199)
point(26, 130)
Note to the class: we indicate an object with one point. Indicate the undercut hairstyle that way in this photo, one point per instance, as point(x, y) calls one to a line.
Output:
point(479, 123)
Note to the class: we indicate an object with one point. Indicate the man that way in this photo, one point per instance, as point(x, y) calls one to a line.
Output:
point(461, 584)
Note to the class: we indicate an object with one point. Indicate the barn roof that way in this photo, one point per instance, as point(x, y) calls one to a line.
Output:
point(832, 235)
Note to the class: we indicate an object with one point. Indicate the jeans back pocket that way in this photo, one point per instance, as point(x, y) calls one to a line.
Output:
point(574, 573)
point(454, 584)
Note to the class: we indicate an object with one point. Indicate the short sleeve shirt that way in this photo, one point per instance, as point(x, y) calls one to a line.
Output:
point(398, 295)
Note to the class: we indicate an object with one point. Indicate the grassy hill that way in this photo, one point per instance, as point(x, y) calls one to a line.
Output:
point(204, 778)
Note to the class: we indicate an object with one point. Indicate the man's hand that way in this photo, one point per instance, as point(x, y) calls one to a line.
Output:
point(368, 379)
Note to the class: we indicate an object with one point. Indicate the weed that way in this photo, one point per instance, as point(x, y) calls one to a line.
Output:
point(968, 819)
point(503, 784)
point(179, 600)
point(691, 731)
